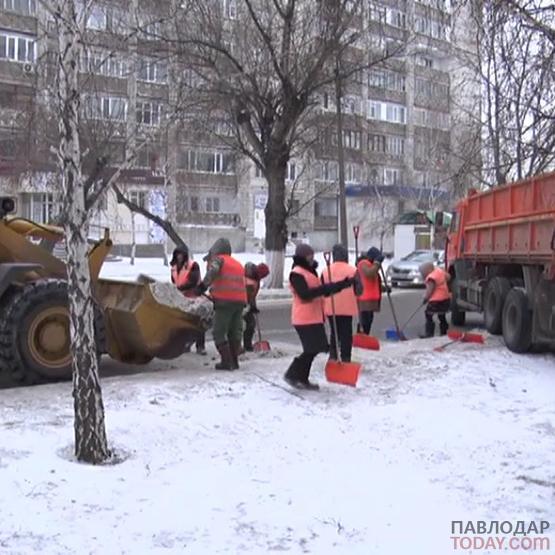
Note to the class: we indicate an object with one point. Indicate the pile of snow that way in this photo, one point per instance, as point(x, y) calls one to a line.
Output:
point(231, 463)
point(200, 307)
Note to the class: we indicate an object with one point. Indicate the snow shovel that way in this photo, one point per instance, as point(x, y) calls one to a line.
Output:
point(261, 346)
point(361, 340)
point(337, 371)
point(462, 337)
point(400, 336)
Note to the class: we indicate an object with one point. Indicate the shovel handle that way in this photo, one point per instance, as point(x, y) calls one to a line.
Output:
point(327, 257)
point(356, 230)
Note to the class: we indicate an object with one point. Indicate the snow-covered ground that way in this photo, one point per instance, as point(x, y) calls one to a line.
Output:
point(154, 267)
point(229, 463)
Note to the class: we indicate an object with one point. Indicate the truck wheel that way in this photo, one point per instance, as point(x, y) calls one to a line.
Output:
point(458, 316)
point(517, 321)
point(496, 292)
point(34, 333)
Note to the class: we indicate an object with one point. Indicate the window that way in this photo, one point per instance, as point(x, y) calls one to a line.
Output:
point(375, 175)
point(17, 48)
point(103, 62)
point(387, 111)
point(149, 26)
point(396, 146)
point(96, 18)
point(41, 207)
point(139, 198)
point(327, 170)
point(392, 176)
point(149, 113)
point(207, 162)
point(351, 104)
point(223, 128)
point(377, 12)
point(397, 18)
point(385, 79)
point(353, 173)
point(431, 89)
point(430, 27)
point(376, 143)
point(394, 48)
point(291, 174)
point(230, 9)
point(325, 207)
point(153, 71)
point(25, 7)
point(424, 61)
point(105, 107)
point(430, 118)
point(212, 204)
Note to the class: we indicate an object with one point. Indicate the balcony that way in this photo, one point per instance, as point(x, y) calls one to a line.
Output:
point(324, 223)
point(209, 219)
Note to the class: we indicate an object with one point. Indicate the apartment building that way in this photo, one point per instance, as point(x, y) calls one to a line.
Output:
point(398, 127)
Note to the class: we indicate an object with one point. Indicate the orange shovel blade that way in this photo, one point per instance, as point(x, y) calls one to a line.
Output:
point(344, 373)
point(261, 347)
point(363, 341)
point(472, 338)
point(454, 334)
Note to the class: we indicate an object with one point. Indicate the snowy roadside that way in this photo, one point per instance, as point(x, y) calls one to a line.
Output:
point(228, 463)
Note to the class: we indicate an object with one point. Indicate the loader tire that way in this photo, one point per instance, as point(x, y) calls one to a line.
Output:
point(34, 333)
point(496, 292)
point(517, 321)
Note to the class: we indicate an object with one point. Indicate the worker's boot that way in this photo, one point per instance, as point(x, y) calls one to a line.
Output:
point(293, 375)
point(236, 350)
point(247, 341)
point(429, 330)
point(227, 358)
point(443, 327)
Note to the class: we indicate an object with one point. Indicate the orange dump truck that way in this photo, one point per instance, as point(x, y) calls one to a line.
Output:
point(501, 257)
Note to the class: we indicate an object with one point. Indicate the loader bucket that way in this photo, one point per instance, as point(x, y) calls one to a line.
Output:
point(139, 328)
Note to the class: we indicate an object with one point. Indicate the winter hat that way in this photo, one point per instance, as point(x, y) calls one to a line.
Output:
point(426, 268)
point(220, 246)
point(340, 253)
point(182, 249)
point(262, 270)
point(303, 250)
point(373, 253)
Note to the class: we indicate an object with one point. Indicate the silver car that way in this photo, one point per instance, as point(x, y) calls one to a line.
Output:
point(406, 271)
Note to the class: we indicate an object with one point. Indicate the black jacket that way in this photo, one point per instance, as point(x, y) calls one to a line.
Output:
point(193, 279)
point(307, 293)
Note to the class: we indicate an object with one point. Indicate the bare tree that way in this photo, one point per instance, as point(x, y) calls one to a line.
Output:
point(516, 63)
point(262, 66)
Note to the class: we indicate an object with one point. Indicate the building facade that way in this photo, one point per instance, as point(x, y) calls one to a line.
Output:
point(405, 123)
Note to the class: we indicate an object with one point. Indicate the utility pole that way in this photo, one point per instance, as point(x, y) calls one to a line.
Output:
point(343, 237)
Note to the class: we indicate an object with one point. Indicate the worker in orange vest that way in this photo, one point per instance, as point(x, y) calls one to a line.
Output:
point(345, 302)
point(226, 279)
point(253, 276)
point(370, 298)
point(307, 314)
point(437, 298)
point(185, 274)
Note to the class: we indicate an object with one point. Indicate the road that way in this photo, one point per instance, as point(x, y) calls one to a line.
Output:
point(275, 317)
point(275, 320)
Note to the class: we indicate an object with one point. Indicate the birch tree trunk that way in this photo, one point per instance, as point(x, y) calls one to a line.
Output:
point(133, 239)
point(90, 435)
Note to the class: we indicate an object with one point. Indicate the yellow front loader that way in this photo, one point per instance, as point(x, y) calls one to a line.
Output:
point(131, 326)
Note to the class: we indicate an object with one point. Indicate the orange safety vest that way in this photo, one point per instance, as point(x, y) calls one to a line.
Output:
point(304, 313)
point(180, 278)
point(345, 301)
point(230, 285)
point(371, 286)
point(441, 290)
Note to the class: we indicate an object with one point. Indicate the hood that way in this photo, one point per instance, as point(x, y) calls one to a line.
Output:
point(220, 246)
point(303, 263)
point(184, 250)
point(340, 253)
